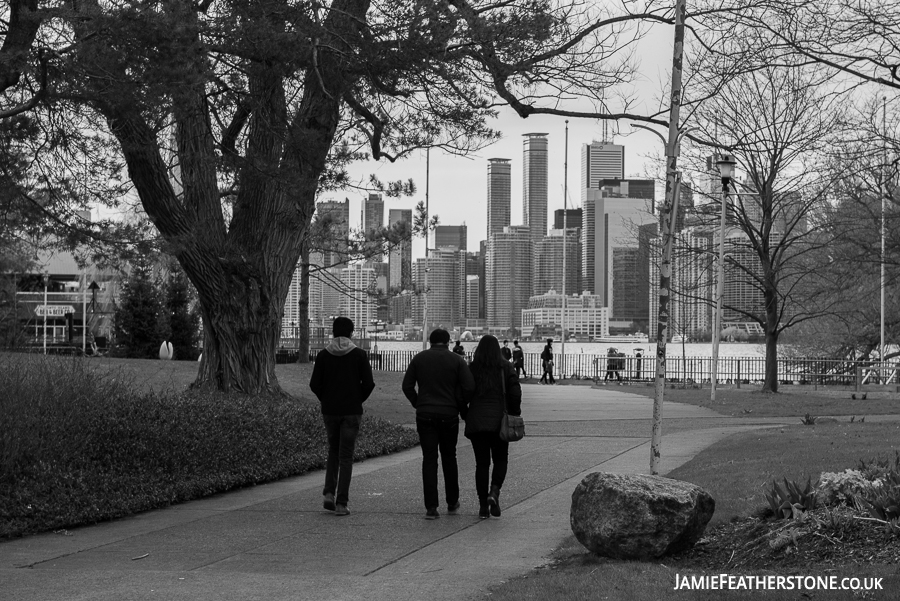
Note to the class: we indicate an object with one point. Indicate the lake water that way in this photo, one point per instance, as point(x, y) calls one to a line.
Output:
point(673, 349)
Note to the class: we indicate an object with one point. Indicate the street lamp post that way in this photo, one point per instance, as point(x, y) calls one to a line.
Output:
point(726, 165)
point(46, 281)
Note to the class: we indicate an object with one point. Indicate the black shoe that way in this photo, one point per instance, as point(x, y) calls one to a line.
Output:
point(484, 511)
point(453, 509)
point(494, 501)
point(432, 514)
point(328, 502)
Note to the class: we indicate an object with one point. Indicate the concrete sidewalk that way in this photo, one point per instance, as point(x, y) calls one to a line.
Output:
point(275, 542)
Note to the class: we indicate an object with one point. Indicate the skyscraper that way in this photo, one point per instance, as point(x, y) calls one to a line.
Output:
point(509, 276)
point(446, 289)
point(573, 218)
point(548, 261)
point(334, 242)
point(534, 184)
point(601, 160)
point(451, 236)
point(499, 195)
point(372, 219)
point(400, 256)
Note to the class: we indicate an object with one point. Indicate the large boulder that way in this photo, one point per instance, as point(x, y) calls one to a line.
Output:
point(638, 517)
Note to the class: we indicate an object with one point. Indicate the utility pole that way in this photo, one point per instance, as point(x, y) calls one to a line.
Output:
point(565, 240)
point(425, 291)
point(668, 216)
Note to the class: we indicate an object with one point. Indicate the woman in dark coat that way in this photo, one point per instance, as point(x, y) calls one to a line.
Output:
point(491, 372)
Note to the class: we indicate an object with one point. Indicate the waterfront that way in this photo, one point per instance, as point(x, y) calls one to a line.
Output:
point(673, 349)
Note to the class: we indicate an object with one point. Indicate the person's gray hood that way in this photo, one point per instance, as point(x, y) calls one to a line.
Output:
point(339, 346)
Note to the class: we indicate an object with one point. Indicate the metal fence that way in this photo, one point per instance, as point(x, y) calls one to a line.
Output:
point(734, 370)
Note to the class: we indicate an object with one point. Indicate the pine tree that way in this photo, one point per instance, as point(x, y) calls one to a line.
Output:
point(183, 319)
point(138, 316)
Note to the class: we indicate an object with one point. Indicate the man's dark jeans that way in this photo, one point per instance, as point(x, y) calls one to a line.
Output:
point(341, 431)
point(487, 447)
point(439, 434)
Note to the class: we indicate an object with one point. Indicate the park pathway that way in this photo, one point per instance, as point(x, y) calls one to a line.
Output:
point(274, 541)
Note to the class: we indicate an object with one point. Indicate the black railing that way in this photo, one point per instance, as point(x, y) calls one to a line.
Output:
point(734, 370)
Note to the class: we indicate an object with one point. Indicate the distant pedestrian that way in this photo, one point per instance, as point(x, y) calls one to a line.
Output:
point(519, 359)
point(612, 365)
point(638, 355)
point(493, 376)
point(342, 381)
point(438, 383)
point(459, 350)
point(505, 351)
point(547, 363)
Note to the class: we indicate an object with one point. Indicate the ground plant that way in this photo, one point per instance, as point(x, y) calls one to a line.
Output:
point(79, 446)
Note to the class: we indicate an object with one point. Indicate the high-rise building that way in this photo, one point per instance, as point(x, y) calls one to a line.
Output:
point(472, 289)
point(499, 195)
point(334, 242)
point(509, 276)
point(372, 219)
point(534, 184)
point(450, 236)
point(400, 256)
point(548, 263)
point(446, 290)
point(573, 218)
point(611, 220)
point(601, 160)
point(357, 302)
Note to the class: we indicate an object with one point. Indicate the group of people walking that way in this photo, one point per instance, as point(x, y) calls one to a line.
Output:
point(442, 387)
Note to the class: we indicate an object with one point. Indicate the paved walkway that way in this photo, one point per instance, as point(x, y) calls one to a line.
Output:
point(274, 541)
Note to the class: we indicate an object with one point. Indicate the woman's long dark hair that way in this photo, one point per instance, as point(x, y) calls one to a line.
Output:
point(487, 364)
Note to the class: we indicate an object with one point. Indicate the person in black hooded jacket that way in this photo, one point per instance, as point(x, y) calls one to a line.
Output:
point(493, 375)
point(342, 381)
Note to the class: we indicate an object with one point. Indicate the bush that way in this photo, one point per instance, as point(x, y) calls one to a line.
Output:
point(837, 488)
point(78, 447)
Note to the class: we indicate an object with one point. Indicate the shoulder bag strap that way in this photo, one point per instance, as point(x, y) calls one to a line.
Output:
point(503, 387)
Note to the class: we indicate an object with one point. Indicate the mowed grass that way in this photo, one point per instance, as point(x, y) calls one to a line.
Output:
point(749, 401)
point(149, 375)
point(736, 471)
point(85, 440)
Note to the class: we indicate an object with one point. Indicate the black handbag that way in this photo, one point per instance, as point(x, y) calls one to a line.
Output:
point(512, 427)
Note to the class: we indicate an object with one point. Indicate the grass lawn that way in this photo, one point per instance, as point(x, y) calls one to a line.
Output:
point(790, 400)
point(737, 472)
point(387, 400)
point(85, 440)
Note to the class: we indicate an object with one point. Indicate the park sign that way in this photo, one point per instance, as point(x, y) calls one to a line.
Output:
point(53, 310)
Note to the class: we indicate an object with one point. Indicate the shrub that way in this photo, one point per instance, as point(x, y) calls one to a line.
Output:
point(791, 501)
point(78, 447)
point(836, 488)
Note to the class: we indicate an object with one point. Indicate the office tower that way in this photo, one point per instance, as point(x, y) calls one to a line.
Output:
point(472, 289)
point(372, 220)
point(356, 301)
point(548, 263)
point(573, 218)
point(400, 256)
point(509, 276)
point(499, 195)
point(334, 241)
point(601, 160)
point(534, 184)
point(482, 279)
point(610, 220)
point(450, 236)
point(446, 296)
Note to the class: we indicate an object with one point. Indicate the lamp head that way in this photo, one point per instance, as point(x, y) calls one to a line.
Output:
point(726, 165)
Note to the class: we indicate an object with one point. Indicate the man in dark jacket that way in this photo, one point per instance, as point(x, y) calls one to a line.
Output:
point(342, 380)
point(444, 382)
